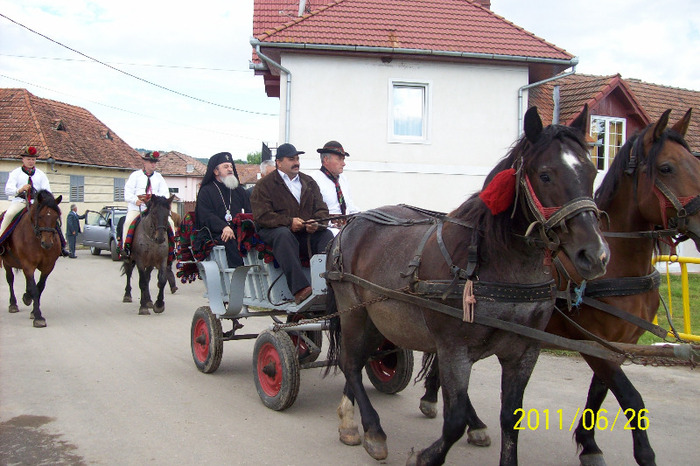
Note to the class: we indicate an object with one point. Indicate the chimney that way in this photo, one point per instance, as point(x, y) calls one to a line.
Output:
point(302, 7)
point(485, 3)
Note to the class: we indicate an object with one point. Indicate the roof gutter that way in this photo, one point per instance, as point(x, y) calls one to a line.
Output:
point(574, 62)
point(271, 63)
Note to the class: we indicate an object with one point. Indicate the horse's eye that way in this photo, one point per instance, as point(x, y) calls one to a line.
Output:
point(665, 169)
point(544, 177)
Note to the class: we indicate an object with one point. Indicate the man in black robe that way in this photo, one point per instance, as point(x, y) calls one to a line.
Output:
point(220, 198)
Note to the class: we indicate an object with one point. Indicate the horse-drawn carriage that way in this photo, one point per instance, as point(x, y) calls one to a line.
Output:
point(258, 289)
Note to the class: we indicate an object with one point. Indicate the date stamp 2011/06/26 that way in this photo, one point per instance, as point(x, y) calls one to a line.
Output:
point(534, 419)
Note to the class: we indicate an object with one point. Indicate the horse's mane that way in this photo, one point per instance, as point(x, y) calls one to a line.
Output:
point(156, 202)
point(500, 227)
point(634, 145)
point(45, 199)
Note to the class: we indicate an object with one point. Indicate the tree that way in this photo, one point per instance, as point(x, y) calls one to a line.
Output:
point(255, 157)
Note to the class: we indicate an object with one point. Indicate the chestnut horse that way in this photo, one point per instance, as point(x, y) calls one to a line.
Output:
point(149, 250)
point(654, 181)
point(33, 244)
point(551, 169)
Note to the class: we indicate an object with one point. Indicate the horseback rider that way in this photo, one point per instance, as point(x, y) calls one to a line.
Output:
point(21, 186)
point(140, 186)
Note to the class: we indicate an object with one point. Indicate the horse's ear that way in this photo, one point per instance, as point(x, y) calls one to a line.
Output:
point(59, 199)
point(681, 126)
point(533, 125)
point(581, 121)
point(171, 199)
point(660, 126)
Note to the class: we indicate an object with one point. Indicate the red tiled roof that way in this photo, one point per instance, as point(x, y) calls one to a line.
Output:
point(65, 132)
point(656, 99)
point(247, 172)
point(176, 164)
point(458, 26)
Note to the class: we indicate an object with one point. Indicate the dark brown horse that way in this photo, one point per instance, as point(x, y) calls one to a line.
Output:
point(149, 250)
point(34, 244)
point(368, 257)
point(651, 190)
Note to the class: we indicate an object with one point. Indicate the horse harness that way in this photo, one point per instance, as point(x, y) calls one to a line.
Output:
point(424, 293)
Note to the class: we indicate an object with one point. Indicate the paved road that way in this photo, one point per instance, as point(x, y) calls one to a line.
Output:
point(103, 385)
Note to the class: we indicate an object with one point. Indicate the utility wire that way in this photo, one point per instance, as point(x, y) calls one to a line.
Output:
point(179, 123)
point(197, 68)
point(134, 76)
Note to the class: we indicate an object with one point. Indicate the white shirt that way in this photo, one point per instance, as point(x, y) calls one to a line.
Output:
point(18, 178)
point(136, 185)
point(330, 196)
point(294, 185)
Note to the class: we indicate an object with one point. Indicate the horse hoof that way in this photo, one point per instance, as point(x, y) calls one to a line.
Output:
point(143, 311)
point(13, 308)
point(158, 309)
point(27, 300)
point(40, 323)
point(149, 304)
point(127, 299)
point(479, 437)
point(350, 436)
point(412, 458)
point(594, 459)
point(428, 408)
point(375, 445)
point(173, 290)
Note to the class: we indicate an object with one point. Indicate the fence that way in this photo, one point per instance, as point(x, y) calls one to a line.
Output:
point(687, 333)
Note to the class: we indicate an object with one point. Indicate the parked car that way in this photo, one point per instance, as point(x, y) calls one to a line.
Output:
point(100, 232)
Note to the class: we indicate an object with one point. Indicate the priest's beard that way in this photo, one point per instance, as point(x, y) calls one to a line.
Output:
point(230, 181)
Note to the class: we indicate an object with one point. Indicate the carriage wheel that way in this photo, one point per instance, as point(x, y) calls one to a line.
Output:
point(391, 373)
point(114, 251)
point(276, 369)
point(207, 340)
point(316, 336)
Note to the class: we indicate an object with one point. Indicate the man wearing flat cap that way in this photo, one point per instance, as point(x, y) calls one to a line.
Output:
point(285, 203)
point(333, 184)
point(220, 198)
point(141, 185)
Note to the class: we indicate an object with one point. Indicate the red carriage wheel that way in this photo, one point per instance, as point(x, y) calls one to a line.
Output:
point(392, 372)
point(206, 339)
point(276, 369)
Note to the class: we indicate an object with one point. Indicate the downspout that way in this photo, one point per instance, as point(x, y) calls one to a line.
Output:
point(530, 86)
point(270, 62)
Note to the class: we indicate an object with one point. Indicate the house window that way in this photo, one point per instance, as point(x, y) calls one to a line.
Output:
point(174, 190)
point(77, 188)
point(609, 134)
point(3, 181)
point(119, 184)
point(409, 105)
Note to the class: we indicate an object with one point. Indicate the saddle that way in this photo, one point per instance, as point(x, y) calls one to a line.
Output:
point(10, 227)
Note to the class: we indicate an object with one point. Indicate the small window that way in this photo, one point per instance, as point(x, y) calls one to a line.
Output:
point(609, 134)
point(409, 105)
point(174, 190)
point(119, 184)
point(3, 181)
point(58, 125)
point(77, 188)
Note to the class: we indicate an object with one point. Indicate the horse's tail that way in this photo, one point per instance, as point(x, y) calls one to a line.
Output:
point(333, 332)
point(426, 369)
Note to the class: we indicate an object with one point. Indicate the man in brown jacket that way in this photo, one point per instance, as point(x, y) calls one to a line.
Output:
point(283, 202)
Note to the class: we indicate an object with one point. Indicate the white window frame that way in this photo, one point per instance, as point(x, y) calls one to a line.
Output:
point(607, 161)
point(424, 138)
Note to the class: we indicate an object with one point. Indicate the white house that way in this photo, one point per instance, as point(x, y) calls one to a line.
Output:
point(426, 96)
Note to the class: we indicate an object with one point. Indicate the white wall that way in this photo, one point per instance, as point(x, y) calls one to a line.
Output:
point(473, 122)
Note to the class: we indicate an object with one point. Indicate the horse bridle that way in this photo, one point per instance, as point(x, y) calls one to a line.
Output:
point(37, 229)
point(158, 227)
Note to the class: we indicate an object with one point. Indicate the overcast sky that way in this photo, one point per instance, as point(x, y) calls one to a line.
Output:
point(180, 78)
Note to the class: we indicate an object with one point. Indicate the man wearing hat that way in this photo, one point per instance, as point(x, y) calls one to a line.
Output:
point(285, 203)
point(219, 200)
point(20, 183)
point(333, 184)
point(140, 185)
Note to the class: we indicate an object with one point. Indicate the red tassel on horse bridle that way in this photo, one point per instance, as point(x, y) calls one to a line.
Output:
point(500, 192)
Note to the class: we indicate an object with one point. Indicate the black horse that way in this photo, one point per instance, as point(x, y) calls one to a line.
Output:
point(501, 246)
point(149, 250)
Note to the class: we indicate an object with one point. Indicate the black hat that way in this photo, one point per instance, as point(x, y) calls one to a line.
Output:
point(216, 160)
point(287, 150)
point(333, 147)
point(151, 156)
point(30, 151)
